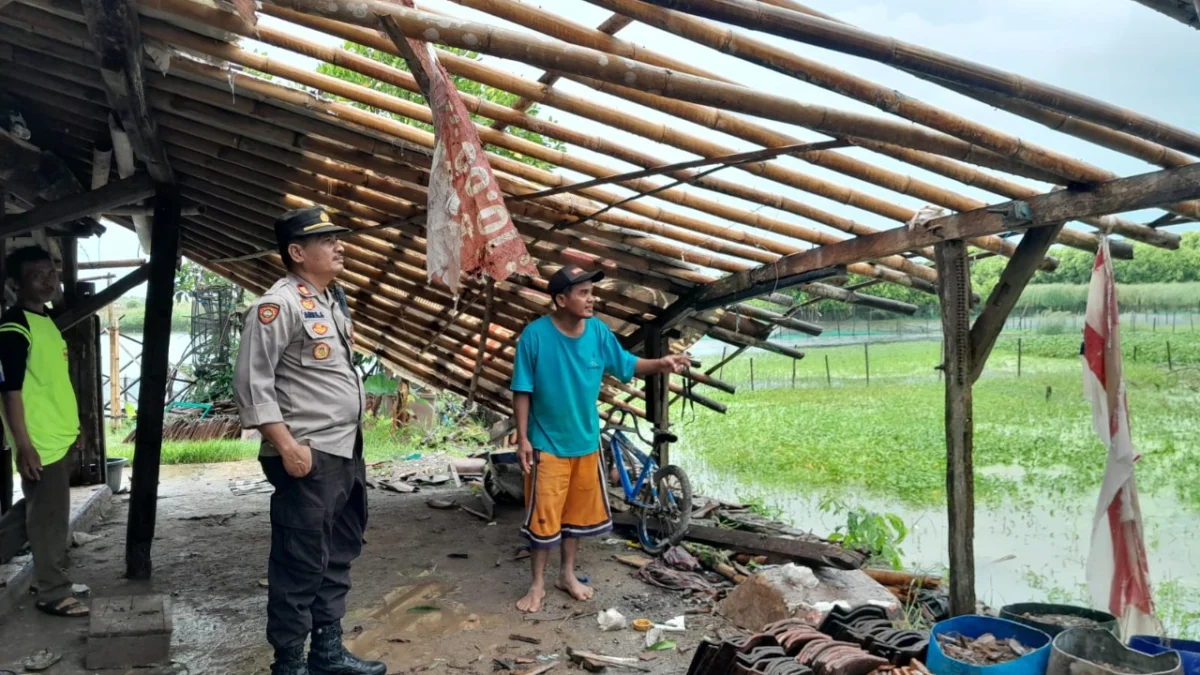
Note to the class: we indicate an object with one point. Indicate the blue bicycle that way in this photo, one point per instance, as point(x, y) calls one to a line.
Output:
point(662, 497)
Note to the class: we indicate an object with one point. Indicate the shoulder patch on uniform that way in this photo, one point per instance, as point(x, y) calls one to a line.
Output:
point(267, 312)
point(320, 328)
point(321, 351)
point(308, 303)
point(305, 291)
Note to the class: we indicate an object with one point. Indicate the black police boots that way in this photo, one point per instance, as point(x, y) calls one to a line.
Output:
point(327, 656)
point(289, 662)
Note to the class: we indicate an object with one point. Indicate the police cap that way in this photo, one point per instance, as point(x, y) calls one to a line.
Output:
point(300, 223)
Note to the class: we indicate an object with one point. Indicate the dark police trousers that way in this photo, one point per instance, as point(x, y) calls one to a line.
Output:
point(317, 525)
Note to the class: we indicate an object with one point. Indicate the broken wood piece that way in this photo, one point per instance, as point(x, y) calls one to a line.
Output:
point(904, 579)
point(635, 560)
point(477, 514)
point(536, 671)
point(706, 510)
point(398, 486)
point(579, 656)
point(524, 638)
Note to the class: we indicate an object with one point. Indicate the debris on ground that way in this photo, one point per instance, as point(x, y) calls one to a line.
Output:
point(82, 538)
point(985, 650)
point(610, 620)
point(593, 661)
point(635, 560)
point(441, 504)
point(1064, 620)
point(524, 638)
point(40, 660)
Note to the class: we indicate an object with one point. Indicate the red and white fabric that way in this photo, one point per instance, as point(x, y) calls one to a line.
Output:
point(1118, 573)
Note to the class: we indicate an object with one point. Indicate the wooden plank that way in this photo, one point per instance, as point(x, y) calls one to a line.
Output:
point(1016, 275)
point(160, 301)
point(1116, 196)
point(111, 264)
point(954, 289)
point(94, 303)
point(818, 554)
point(117, 42)
point(79, 205)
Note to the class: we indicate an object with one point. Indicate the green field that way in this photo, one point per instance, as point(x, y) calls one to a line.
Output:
point(887, 436)
point(378, 444)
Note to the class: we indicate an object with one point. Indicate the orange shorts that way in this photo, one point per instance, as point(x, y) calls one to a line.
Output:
point(565, 497)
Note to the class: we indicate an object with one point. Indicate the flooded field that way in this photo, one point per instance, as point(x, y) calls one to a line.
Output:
point(879, 448)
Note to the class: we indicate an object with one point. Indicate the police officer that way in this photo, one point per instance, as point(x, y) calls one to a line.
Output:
point(295, 382)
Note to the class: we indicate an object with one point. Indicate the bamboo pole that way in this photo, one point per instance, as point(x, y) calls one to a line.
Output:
point(919, 60)
point(860, 89)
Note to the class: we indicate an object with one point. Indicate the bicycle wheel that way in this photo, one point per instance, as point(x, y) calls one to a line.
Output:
point(665, 523)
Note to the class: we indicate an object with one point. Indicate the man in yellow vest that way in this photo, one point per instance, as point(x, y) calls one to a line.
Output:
point(41, 421)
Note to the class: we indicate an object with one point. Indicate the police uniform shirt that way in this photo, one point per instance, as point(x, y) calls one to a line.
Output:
point(295, 366)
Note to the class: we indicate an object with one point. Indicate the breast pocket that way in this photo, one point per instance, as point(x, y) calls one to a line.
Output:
point(320, 344)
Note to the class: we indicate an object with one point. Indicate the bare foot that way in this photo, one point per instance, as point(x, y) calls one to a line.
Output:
point(577, 590)
point(532, 602)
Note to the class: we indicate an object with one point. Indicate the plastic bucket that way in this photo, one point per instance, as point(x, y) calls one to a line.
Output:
point(114, 471)
point(1095, 651)
point(1033, 663)
point(1189, 651)
point(1018, 611)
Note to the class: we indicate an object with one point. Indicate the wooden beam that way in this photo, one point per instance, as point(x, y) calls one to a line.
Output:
point(117, 42)
point(94, 303)
point(79, 205)
point(152, 394)
point(954, 289)
point(1016, 275)
point(110, 264)
point(1116, 196)
point(811, 553)
point(656, 393)
point(724, 160)
point(6, 458)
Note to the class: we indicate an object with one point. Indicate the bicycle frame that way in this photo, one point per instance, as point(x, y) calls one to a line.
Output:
point(620, 442)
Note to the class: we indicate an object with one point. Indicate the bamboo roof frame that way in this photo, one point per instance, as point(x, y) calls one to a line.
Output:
point(244, 149)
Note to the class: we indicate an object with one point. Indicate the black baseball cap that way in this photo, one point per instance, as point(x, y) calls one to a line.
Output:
point(570, 275)
point(300, 223)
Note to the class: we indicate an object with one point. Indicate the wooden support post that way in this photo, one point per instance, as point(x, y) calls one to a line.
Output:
point(114, 366)
point(828, 375)
point(954, 289)
point(793, 373)
point(69, 248)
point(160, 300)
point(83, 362)
point(1019, 351)
point(656, 393)
point(867, 358)
point(6, 458)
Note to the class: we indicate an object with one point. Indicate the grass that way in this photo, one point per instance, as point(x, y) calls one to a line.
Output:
point(1073, 297)
point(887, 437)
point(378, 444)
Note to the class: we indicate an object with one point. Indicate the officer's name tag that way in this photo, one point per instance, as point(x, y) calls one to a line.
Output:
point(314, 315)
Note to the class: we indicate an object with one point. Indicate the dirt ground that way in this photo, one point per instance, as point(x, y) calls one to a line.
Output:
point(413, 606)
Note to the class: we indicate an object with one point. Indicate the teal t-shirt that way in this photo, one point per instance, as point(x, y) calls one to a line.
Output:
point(562, 375)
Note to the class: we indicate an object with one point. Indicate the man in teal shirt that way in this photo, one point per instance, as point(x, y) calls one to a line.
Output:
point(561, 360)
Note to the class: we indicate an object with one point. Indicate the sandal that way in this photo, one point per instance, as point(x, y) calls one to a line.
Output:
point(68, 607)
point(41, 661)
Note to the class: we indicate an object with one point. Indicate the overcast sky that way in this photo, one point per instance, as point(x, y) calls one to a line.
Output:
point(1115, 50)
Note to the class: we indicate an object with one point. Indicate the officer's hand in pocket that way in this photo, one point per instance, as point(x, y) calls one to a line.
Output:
point(297, 461)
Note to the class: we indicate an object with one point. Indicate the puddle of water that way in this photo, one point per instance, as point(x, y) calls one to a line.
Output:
point(409, 614)
point(1024, 548)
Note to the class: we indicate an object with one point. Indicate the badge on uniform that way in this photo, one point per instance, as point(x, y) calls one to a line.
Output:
point(320, 328)
point(267, 313)
point(321, 351)
point(308, 303)
point(304, 290)
point(314, 315)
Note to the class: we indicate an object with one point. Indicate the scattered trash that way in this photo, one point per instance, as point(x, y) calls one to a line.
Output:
point(442, 504)
point(986, 650)
point(477, 514)
point(248, 486)
point(613, 541)
point(263, 583)
point(548, 657)
point(659, 574)
point(675, 625)
point(398, 486)
point(436, 479)
point(680, 559)
point(662, 646)
point(40, 661)
point(1064, 620)
point(642, 625)
point(524, 660)
point(611, 619)
point(799, 575)
point(424, 608)
point(537, 671)
point(459, 556)
point(402, 641)
point(80, 590)
point(81, 538)
point(524, 638)
point(583, 578)
point(585, 658)
point(409, 458)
